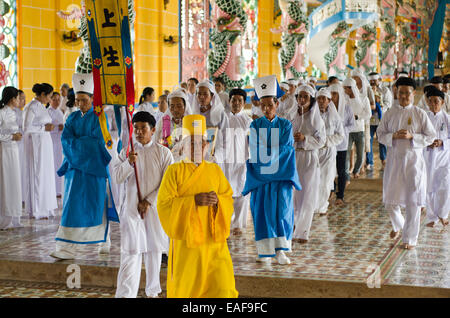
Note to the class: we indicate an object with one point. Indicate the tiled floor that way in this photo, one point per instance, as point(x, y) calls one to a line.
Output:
point(346, 245)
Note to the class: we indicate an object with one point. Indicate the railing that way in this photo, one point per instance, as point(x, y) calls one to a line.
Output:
point(334, 11)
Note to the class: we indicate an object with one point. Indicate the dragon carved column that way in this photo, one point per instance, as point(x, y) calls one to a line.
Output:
point(367, 36)
point(335, 58)
point(228, 22)
point(294, 26)
point(387, 52)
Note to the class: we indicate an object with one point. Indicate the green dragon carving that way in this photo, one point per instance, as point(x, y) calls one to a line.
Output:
point(293, 34)
point(229, 25)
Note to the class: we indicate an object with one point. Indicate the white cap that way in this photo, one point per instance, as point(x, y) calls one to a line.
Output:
point(208, 84)
point(305, 88)
point(292, 81)
point(349, 82)
point(284, 85)
point(83, 83)
point(178, 93)
point(324, 92)
point(267, 86)
point(374, 77)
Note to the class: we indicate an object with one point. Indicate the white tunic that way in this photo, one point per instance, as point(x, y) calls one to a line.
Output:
point(69, 111)
point(438, 159)
point(362, 110)
point(57, 119)
point(287, 107)
point(19, 120)
point(256, 111)
point(10, 177)
point(348, 122)
point(148, 107)
point(312, 127)
point(405, 180)
point(142, 235)
point(327, 154)
point(40, 199)
point(237, 152)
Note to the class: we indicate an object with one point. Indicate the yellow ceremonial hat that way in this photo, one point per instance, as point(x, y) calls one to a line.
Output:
point(194, 125)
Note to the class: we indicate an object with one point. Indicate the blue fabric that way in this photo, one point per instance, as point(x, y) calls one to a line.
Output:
point(382, 148)
point(85, 171)
point(118, 117)
point(271, 176)
point(377, 110)
point(435, 34)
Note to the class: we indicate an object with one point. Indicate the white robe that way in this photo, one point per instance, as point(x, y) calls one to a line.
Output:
point(438, 169)
point(57, 119)
point(360, 108)
point(312, 126)
point(40, 199)
point(140, 236)
point(69, 111)
point(224, 98)
point(62, 104)
point(327, 154)
point(19, 120)
point(215, 117)
point(404, 180)
point(256, 111)
point(10, 177)
point(286, 107)
point(235, 168)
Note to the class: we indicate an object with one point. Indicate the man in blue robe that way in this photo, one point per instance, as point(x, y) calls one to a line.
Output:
point(271, 176)
point(87, 204)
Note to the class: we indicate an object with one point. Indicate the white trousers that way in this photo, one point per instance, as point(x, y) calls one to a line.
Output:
point(7, 222)
point(438, 205)
point(241, 205)
point(410, 224)
point(129, 275)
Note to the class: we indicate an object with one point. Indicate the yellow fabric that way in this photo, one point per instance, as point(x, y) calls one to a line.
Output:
point(105, 132)
point(200, 264)
point(194, 125)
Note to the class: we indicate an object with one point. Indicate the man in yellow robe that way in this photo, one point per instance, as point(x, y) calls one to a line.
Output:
point(195, 206)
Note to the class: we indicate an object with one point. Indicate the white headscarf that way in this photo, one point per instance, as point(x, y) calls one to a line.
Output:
point(181, 94)
point(306, 88)
point(352, 83)
point(340, 90)
point(365, 82)
point(332, 111)
point(216, 104)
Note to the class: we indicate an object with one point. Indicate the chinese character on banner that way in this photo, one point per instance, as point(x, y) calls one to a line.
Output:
point(112, 61)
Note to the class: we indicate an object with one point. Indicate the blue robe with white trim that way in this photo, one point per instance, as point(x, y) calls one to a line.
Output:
point(86, 179)
point(271, 177)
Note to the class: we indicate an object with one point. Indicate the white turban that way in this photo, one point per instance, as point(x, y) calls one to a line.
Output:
point(181, 94)
point(324, 92)
point(305, 88)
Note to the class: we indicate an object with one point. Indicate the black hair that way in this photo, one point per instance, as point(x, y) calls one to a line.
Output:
point(56, 93)
point(373, 73)
point(145, 92)
point(437, 80)
point(8, 93)
point(45, 88)
point(193, 79)
point(70, 98)
point(427, 88)
point(21, 91)
point(406, 81)
point(238, 91)
point(433, 91)
point(330, 79)
point(144, 117)
point(220, 80)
